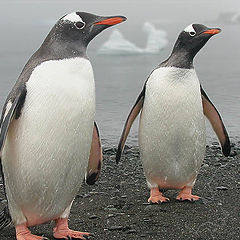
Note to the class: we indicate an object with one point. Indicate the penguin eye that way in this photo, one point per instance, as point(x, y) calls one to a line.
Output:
point(79, 25)
point(192, 34)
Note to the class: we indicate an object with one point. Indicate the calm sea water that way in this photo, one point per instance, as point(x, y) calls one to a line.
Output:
point(119, 79)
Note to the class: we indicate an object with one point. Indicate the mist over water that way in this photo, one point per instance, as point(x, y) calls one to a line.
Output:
point(119, 78)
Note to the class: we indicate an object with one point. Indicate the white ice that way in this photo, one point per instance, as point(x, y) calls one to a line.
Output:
point(235, 18)
point(117, 44)
point(229, 17)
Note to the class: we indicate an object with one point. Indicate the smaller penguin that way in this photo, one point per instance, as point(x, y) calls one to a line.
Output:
point(172, 125)
point(48, 136)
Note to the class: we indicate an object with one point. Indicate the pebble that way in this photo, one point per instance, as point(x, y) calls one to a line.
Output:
point(221, 188)
point(93, 217)
point(147, 220)
point(113, 228)
point(110, 209)
point(205, 165)
point(154, 207)
point(203, 201)
point(131, 231)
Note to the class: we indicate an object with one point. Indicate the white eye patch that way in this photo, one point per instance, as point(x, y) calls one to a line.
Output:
point(189, 29)
point(73, 17)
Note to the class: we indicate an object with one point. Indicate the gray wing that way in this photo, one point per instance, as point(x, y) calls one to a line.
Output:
point(16, 101)
point(215, 119)
point(131, 117)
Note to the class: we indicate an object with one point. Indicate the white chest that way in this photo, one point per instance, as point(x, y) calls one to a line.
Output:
point(172, 96)
point(66, 80)
point(47, 148)
point(173, 85)
point(172, 129)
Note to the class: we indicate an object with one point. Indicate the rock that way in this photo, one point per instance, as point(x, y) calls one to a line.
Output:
point(205, 165)
point(93, 217)
point(154, 207)
point(147, 220)
point(115, 228)
point(131, 231)
point(203, 201)
point(221, 188)
point(146, 203)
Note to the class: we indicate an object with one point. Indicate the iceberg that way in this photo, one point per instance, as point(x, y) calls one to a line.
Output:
point(229, 17)
point(117, 44)
point(235, 18)
point(157, 39)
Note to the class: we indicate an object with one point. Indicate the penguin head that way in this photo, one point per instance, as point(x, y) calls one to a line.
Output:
point(193, 38)
point(77, 29)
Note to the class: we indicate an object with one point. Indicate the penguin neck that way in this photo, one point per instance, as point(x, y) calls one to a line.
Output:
point(62, 50)
point(179, 58)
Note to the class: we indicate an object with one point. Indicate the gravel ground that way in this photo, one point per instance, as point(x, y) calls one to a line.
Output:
point(116, 206)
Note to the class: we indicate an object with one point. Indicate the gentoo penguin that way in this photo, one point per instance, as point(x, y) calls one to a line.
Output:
point(48, 129)
point(172, 126)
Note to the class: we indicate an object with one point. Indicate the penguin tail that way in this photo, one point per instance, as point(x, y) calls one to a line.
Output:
point(5, 218)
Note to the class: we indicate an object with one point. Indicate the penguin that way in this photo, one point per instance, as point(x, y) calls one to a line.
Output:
point(48, 136)
point(172, 125)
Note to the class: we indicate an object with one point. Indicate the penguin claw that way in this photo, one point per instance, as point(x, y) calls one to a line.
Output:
point(73, 235)
point(185, 197)
point(158, 200)
point(156, 197)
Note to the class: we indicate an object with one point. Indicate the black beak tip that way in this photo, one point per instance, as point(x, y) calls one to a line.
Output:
point(123, 18)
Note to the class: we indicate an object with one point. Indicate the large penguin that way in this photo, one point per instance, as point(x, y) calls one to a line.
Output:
point(172, 126)
point(48, 129)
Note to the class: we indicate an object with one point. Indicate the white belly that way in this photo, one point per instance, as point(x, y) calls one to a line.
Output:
point(47, 148)
point(172, 128)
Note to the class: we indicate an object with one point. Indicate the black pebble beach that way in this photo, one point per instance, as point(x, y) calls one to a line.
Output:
point(116, 206)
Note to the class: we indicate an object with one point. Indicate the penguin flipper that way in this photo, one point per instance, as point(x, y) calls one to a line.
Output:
point(130, 119)
point(215, 119)
point(95, 158)
point(14, 111)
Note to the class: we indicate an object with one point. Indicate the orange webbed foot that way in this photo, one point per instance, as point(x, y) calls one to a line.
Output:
point(186, 195)
point(156, 197)
point(61, 231)
point(23, 233)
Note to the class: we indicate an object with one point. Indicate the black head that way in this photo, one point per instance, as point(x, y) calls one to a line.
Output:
point(73, 32)
point(188, 44)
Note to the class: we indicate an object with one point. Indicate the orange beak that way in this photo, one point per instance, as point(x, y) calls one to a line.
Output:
point(213, 31)
point(111, 21)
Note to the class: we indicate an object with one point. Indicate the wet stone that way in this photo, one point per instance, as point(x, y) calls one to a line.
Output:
point(154, 207)
point(222, 188)
point(131, 231)
point(93, 217)
point(115, 228)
